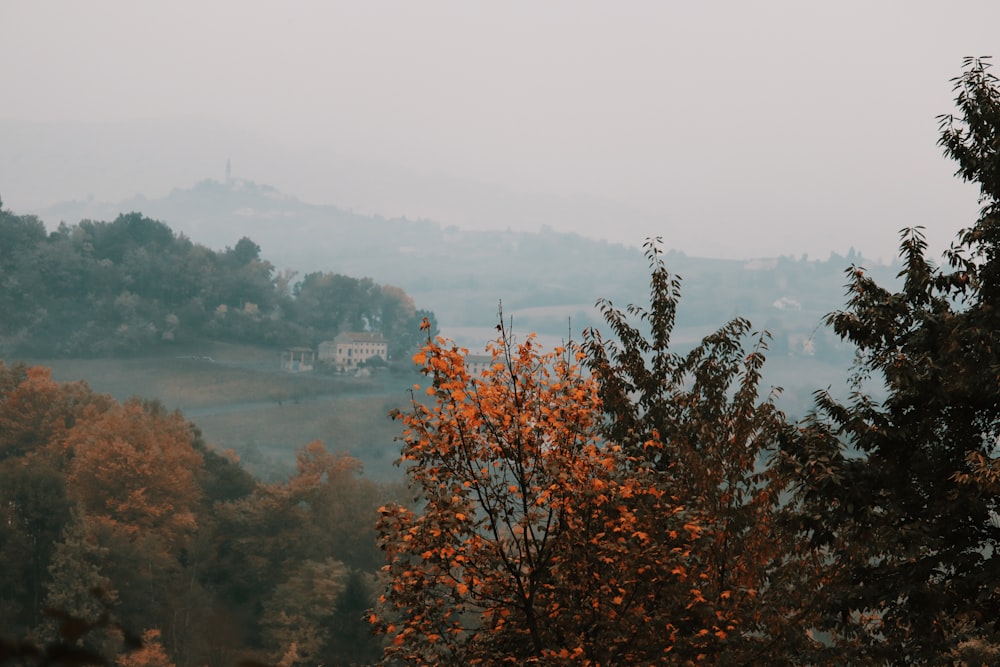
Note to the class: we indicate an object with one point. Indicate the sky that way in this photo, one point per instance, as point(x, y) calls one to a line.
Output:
point(731, 129)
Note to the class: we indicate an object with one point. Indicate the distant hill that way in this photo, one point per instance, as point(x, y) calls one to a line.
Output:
point(134, 286)
point(548, 281)
point(462, 275)
point(44, 161)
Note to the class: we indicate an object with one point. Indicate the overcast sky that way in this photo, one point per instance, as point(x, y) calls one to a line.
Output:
point(731, 128)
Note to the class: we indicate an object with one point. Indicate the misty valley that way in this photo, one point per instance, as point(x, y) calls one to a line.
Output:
point(138, 309)
point(239, 429)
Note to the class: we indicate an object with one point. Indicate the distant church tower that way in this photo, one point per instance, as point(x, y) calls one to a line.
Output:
point(229, 171)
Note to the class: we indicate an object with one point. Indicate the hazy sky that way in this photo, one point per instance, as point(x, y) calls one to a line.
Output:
point(730, 128)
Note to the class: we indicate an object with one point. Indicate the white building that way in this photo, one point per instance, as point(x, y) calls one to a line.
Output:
point(475, 364)
point(350, 349)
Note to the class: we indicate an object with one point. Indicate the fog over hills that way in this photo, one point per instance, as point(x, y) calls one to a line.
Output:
point(49, 162)
point(459, 246)
point(423, 256)
point(548, 281)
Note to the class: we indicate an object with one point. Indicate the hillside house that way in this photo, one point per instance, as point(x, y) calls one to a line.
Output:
point(350, 349)
point(475, 364)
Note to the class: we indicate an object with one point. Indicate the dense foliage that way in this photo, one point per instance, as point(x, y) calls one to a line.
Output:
point(117, 516)
point(901, 492)
point(719, 440)
point(626, 515)
point(614, 502)
point(532, 540)
point(131, 285)
point(867, 534)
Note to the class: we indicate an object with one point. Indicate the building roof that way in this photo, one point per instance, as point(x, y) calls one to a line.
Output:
point(359, 337)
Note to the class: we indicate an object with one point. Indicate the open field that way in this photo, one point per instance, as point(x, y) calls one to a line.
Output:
point(239, 400)
point(267, 437)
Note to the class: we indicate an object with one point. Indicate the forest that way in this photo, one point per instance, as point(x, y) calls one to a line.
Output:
point(122, 518)
point(611, 501)
point(133, 285)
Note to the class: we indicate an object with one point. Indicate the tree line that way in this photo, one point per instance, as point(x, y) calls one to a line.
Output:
point(132, 285)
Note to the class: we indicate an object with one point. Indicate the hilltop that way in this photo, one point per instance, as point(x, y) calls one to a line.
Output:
point(548, 280)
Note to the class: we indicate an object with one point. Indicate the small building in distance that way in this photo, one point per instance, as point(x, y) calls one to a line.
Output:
point(298, 359)
point(350, 349)
point(475, 364)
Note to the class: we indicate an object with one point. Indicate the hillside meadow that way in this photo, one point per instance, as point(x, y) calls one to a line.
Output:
point(240, 400)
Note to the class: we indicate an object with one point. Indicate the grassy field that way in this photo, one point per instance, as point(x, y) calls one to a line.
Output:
point(240, 400)
point(267, 437)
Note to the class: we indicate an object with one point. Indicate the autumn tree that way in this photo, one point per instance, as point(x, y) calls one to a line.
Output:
point(118, 516)
point(338, 507)
point(36, 414)
point(149, 654)
point(900, 491)
point(532, 538)
point(326, 588)
point(99, 496)
point(118, 465)
point(131, 474)
point(299, 612)
point(287, 555)
point(719, 433)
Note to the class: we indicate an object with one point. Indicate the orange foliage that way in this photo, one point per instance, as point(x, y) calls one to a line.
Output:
point(135, 468)
point(38, 411)
point(150, 654)
point(533, 538)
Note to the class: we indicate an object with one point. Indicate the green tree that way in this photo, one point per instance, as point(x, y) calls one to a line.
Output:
point(36, 415)
point(331, 302)
point(21, 237)
point(897, 491)
point(719, 437)
point(246, 251)
point(33, 511)
point(299, 613)
point(350, 635)
point(272, 546)
point(82, 589)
